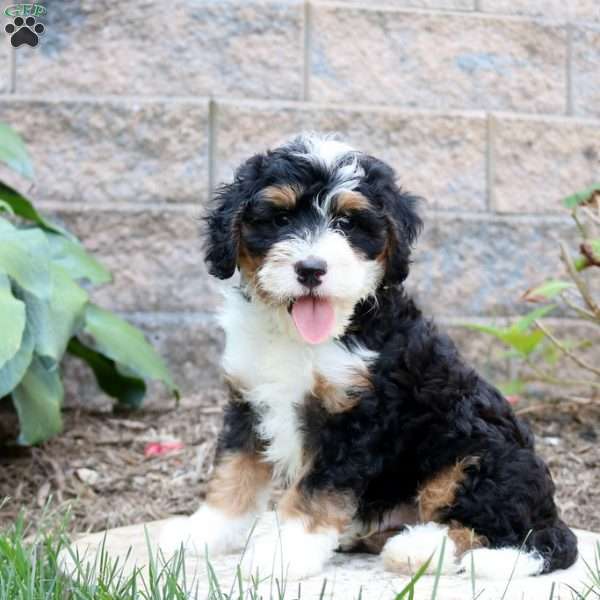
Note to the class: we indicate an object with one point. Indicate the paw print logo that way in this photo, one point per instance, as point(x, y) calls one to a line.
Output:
point(24, 31)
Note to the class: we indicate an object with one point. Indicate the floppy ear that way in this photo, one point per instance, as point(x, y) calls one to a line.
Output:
point(400, 210)
point(404, 226)
point(223, 223)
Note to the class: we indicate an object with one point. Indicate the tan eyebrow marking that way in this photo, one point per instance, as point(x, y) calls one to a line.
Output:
point(284, 196)
point(347, 201)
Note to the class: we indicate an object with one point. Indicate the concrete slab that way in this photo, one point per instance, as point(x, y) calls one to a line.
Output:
point(346, 575)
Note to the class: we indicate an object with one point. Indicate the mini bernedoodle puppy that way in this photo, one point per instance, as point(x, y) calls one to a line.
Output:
point(386, 440)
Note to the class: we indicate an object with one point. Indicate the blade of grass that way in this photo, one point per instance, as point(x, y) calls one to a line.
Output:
point(410, 586)
point(438, 570)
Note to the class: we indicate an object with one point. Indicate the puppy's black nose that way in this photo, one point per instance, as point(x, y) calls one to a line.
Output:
point(310, 270)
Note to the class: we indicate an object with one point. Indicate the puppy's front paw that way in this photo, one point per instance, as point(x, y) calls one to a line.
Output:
point(207, 531)
point(406, 552)
point(290, 552)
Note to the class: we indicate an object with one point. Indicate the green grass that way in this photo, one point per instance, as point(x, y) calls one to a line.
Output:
point(29, 570)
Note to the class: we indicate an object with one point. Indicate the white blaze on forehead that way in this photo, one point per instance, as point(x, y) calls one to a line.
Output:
point(325, 149)
point(330, 153)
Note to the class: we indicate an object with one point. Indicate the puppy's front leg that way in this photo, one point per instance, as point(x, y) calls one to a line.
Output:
point(305, 536)
point(238, 491)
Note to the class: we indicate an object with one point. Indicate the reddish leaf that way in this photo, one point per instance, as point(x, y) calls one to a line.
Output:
point(161, 448)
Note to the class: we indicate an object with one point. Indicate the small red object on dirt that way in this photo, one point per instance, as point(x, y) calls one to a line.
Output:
point(160, 448)
point(513, 399)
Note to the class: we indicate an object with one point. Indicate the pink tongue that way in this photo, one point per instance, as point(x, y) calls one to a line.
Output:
point(314, 318)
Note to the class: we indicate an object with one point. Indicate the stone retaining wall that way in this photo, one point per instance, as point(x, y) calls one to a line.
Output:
point(134, 111)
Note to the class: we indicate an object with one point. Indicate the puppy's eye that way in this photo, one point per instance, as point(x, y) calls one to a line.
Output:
point(281, 220)
point(345, 223)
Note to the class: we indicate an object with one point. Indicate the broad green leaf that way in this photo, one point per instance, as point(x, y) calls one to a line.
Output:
point(24, 257)
point(38, 400)
point(6, 226)
point(547, 290)
point(73, 258)
point(580, 197)
point(6, 207)
point(13, 370)
point(129, 391)
point(526, 321)
point(126, 345)
point(24, 209)
point(56, 320)
point(13, 151)
point(12, 321)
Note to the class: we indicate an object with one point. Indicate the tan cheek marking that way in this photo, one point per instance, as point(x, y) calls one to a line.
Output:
point(440, 491)
point(284, 196)
point(348, 201)
point(466, 539)
point(237, 480)
point(249, 264)
point(318, 511)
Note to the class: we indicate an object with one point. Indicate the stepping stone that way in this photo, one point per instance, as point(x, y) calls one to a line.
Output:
point(346, 575)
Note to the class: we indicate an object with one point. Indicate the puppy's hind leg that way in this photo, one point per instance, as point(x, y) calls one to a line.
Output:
point(411, 549)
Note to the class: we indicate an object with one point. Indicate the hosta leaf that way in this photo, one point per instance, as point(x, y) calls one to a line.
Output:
point(547, 290)
point(55, 320)
point(38, 400)
point(13, 370)
point(13, 151)
point(24, 209)
point(126, 345)
point(6, 207)
point(24, 257)
point(72, 257)
point(12, 321)
point(581, 197)
point(129, 391)
point(6, 226)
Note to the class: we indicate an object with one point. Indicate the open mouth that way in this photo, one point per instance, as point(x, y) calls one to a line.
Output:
point(314, 318)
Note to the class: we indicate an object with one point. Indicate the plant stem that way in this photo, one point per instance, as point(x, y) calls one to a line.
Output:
point(546, 378)
point(579, 282)
point(584, 314)
point(566, 351)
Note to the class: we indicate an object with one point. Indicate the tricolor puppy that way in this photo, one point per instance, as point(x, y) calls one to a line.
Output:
point(385, 439)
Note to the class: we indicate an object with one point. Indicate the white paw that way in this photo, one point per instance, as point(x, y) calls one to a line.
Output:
point(289, 552)
point(406, 552)
point(208, 530)
point(501, 563)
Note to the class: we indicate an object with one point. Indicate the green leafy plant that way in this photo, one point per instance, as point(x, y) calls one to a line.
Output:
point(531, 340)
point(45, 313)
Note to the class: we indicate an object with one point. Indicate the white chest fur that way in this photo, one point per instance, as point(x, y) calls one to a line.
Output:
point(276, 370)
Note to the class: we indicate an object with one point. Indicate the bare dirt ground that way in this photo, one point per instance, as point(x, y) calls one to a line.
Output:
point(100, 468)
